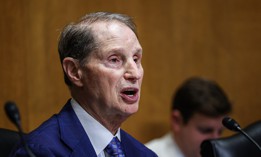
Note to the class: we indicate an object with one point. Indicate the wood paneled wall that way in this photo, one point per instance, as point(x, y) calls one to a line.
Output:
point(217, 39)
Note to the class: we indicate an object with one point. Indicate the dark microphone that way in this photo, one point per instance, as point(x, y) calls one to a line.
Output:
point(231, 124)
point(13, 114)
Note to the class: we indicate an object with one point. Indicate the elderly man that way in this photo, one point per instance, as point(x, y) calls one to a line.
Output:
point(101, 59)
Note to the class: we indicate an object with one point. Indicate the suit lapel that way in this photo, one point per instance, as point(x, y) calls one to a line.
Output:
point(83, 149)
point(73, 134)
point(129, 147)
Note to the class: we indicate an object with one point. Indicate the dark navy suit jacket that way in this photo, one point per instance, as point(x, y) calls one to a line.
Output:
point(63, 135)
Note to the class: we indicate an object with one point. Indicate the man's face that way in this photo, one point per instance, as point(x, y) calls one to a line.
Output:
point(113, 74)
point(199, 128)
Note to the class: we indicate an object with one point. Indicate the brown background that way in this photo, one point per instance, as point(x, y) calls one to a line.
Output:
point(217, 39)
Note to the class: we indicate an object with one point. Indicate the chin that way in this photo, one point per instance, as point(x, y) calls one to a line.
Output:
point(131, 109)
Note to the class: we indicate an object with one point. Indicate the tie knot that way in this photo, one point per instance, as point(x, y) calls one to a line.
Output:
point(114, 148)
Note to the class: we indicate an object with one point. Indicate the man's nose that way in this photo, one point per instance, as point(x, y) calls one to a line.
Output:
point(215, 135)
point(133, 71)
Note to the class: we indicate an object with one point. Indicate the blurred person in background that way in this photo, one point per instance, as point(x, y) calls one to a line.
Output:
point(198, 107)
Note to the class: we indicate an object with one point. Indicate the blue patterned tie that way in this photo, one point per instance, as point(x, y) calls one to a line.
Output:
point(114, 148)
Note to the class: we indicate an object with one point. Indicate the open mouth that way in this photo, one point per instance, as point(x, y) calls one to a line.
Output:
point(129, 92)
point(130, 95)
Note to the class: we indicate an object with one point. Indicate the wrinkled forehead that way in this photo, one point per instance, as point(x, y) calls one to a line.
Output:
point(112, 33)
point(208, 120)
point(103, 29)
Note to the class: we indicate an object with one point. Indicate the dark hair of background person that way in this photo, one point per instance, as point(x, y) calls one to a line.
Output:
point(198, 95)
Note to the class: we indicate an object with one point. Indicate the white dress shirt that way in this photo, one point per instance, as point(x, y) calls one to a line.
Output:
point(165, 146)
point(99, 136)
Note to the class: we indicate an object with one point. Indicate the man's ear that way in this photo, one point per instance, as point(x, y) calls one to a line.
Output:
point(176, 120)
point(72, 69)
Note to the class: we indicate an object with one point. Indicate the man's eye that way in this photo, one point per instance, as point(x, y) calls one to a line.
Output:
point(114, 60)
point(136, 59)
point(205, 130)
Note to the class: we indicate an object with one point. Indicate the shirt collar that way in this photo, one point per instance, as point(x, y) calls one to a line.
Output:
point(99, 136)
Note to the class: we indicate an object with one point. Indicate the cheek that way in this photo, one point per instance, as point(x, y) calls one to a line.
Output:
point(199, 137)
point(195, 140)
point(195, 135)
point(142, 72)
point(97, 80)
point(113, 78)
point(141, 78)
point(106, 76)
point(110, 82)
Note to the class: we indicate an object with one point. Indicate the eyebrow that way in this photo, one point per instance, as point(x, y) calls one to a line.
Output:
point(118, 50)
point(138, 50)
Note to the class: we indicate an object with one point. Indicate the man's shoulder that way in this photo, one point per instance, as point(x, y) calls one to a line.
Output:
point(160, 144)
point(164, 146)
point(159, 141)
point(48, 129)
point(44, 136)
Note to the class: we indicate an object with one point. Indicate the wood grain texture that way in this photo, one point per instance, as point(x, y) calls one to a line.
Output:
point(217, 39)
